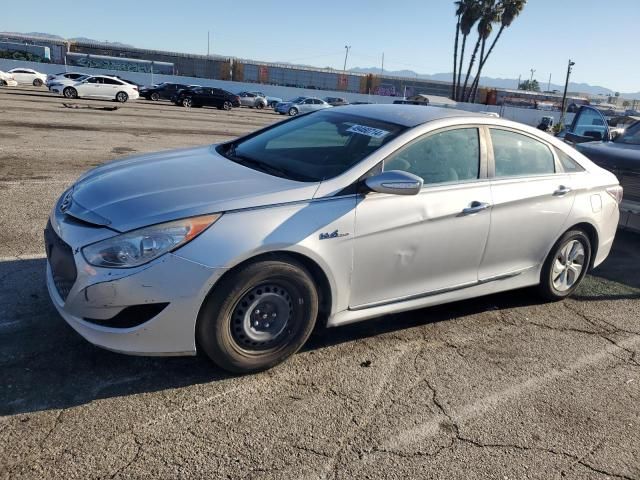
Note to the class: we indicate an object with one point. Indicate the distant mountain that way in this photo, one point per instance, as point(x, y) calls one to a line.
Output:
point(74, 39)
point(498, 82)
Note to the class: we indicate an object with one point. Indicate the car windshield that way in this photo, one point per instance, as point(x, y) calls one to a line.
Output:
point(312, 147)
point(631, 136)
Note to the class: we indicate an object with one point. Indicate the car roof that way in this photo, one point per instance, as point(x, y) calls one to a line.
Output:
point(406, 115)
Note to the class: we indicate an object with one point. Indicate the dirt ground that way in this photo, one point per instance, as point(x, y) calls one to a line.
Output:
point(501, 387)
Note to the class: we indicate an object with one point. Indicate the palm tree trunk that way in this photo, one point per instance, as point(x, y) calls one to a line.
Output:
point(484, 60)
point(464, 42)
point(455, 60)
point(471, 97)
point(471, 62)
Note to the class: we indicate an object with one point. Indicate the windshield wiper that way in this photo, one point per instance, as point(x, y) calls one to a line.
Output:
point(266, 167)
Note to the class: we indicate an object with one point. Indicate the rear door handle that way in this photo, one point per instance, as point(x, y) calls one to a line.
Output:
point(562, 190)
point(475, 207)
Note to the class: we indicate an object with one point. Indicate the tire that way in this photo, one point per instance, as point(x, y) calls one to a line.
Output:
point(37, 82)
point(227, 331)
point(227, 105)
point(566, 266)
point(259, 105)
point(293, 111)
point(122, 97)
point(154, 96)
point(187, 102)
point(70, 92)
point(3, 83)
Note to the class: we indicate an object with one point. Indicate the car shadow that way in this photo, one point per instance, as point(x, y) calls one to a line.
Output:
point(46, 365)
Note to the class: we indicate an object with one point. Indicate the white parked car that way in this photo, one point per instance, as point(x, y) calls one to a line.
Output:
point(27, 76)
point(6, 79)
point(65, 78)
point(99, 86)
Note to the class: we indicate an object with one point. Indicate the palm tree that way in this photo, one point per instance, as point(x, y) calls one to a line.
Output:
point(468, 19)
point(459, 10)
point(491, 13)
point(485, 15)
point(509, 10)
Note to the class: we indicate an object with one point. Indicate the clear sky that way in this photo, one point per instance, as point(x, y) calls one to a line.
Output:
point(601, 37)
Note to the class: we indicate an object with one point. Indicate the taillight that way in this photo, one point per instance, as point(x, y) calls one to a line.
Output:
point(616, 193)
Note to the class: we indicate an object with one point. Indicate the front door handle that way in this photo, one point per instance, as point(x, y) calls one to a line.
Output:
point(475, 207)
point(562, 190)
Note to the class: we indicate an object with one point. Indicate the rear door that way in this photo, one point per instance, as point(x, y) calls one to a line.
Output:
point(532, 198)
point(110, 87)
point(90, 88)
point(588, 125)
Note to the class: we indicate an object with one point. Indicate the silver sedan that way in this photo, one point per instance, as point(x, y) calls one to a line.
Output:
point(241, 248)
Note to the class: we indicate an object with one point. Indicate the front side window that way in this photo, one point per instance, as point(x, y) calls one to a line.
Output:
point(449, 156)
point(312, 147)
point(631, 136)
point(516, 155)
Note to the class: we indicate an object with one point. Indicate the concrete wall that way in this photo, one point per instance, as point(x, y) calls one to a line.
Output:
point(523, 115)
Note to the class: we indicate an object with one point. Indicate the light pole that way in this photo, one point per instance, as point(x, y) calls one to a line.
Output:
point(346, 54)
point(564, 95)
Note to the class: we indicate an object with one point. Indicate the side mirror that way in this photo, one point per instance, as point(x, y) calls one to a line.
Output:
point(395, 182)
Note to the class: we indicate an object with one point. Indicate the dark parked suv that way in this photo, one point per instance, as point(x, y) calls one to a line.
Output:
point(161, 91)
point(207, 97)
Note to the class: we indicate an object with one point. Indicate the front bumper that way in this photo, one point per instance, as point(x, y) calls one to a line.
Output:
point(101, 293)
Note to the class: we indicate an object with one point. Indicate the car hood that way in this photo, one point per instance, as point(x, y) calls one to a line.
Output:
point(612, 155)
point(149, 189)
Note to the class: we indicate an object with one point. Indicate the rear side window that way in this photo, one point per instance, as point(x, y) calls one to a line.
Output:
point(111, 81)
point(568, 163)
point(449, 156)
point(516, 155)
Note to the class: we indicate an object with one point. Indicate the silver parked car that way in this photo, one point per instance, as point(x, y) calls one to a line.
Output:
point(252, 100)
point(301, 105)
point(240, 248)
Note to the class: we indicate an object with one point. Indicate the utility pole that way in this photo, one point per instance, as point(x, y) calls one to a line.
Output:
point(208, 43)
point(549, 84)
point(531, 79)
point(564, 95)
point(346, 54)
point(382, 67)
point(519, 77)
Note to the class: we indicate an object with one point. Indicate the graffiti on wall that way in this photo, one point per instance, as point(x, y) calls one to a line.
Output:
point(119, 64)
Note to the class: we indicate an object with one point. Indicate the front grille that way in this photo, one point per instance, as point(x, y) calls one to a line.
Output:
point(631, 185)
point(60, 256)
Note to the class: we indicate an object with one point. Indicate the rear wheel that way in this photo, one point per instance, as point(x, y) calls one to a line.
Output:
point(155, 96)
point(566, 265)
point(227, 105)
point(258, 316)
point(259, 105)
point(37, 82)
point(70, 92)
point(122, 97)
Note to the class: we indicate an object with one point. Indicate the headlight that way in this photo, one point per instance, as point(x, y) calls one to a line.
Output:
point(138, 247)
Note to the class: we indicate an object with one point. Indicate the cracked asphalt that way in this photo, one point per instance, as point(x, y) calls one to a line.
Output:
point(500, 387)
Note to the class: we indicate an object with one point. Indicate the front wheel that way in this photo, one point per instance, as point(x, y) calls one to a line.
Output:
point(122, 97)
point(155, 96)
point(258, 316)
point(566, 266)
point(70, 92)
point(187, 102)
point(37, 82)
point(293, 112)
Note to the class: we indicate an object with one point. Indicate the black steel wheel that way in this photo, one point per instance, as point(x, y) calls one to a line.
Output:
point(258, 315)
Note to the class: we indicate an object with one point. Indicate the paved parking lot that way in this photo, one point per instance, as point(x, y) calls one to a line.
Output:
point(502, 387)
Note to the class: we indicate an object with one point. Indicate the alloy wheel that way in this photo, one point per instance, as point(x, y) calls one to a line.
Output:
point(568, 265)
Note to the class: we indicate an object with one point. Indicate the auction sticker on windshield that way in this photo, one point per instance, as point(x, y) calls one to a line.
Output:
point(368, 131)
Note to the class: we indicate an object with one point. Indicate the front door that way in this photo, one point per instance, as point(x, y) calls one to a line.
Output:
point(532, 198)
point(408, 246)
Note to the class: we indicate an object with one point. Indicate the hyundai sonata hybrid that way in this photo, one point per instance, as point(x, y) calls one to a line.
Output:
point(239, 249)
